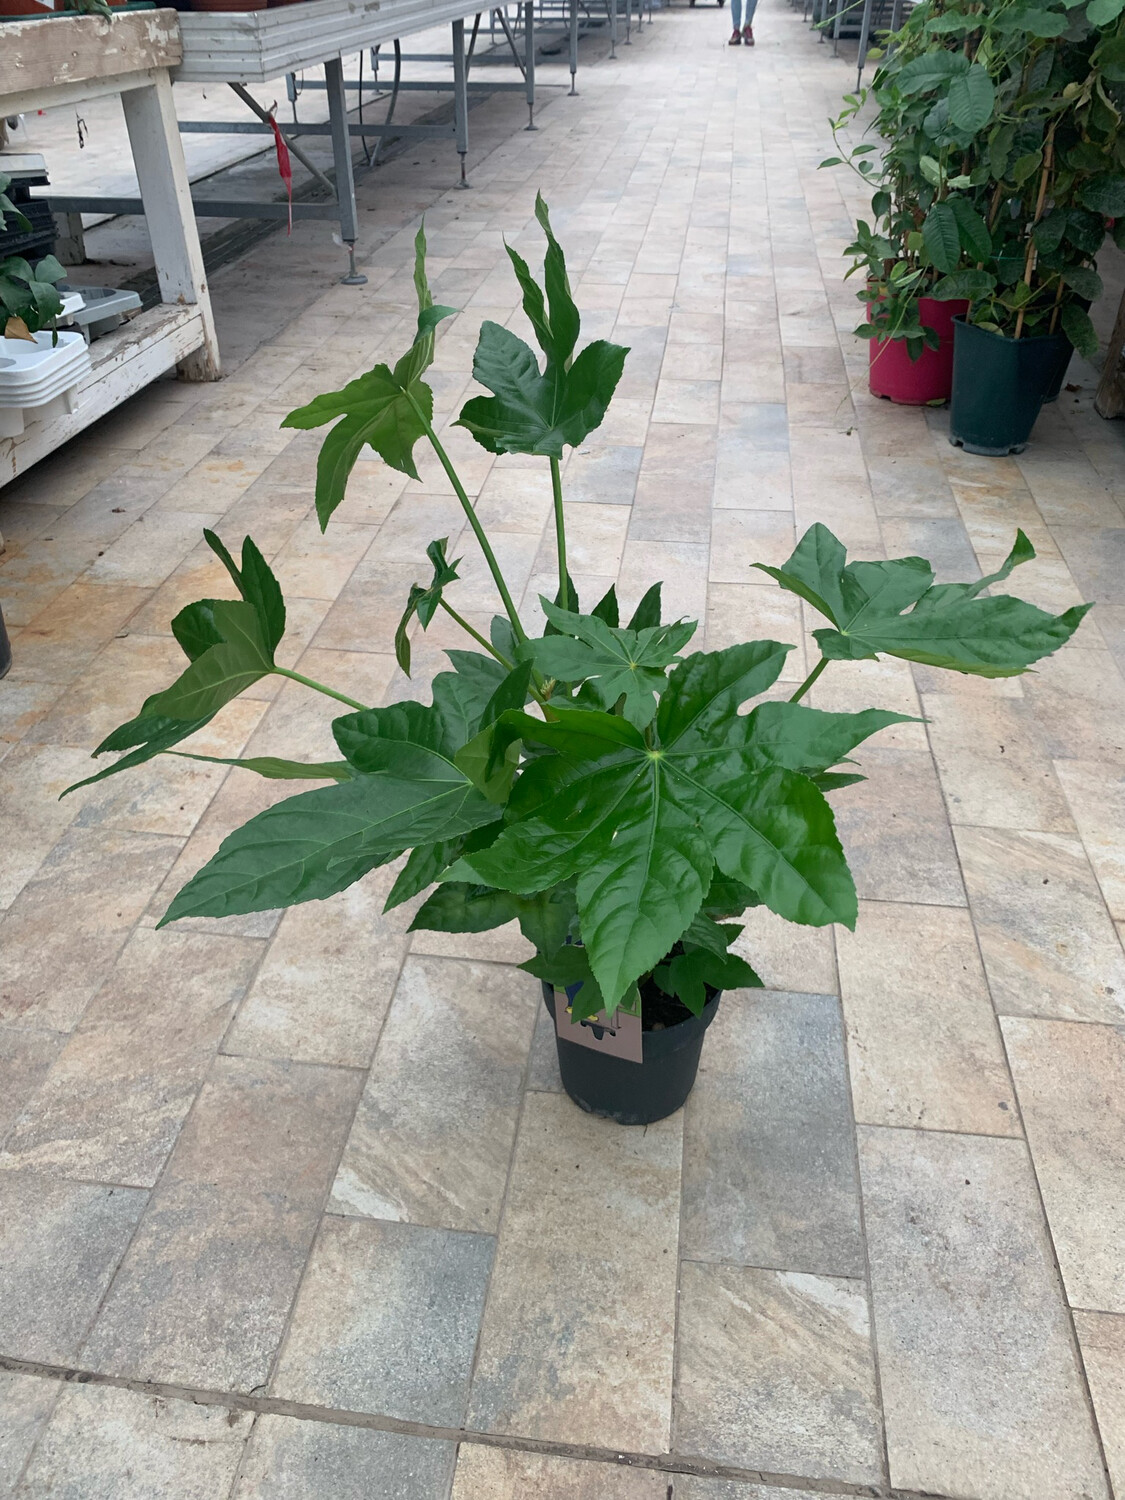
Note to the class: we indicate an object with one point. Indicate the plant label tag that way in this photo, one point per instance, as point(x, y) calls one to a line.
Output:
point(622, 1038)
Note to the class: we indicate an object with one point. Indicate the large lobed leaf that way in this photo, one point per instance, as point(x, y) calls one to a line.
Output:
point(895, 608)
point(406, 792)
point(230, 645)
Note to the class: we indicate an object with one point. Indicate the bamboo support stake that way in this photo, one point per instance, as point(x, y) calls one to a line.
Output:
point(1029, 263)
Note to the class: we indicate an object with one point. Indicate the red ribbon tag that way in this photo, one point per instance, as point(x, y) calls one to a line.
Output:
point(284, 167)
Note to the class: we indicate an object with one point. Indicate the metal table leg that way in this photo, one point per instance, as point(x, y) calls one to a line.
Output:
point(573, 45)
point(342, 158)
point(460, 98)
point(864, 39)
point(529, 61)
point(611, 6)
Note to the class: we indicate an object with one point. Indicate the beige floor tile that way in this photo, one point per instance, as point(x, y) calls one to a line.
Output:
point(980, 1384)
point(113, 1104)
point(739, 612)
point(203, 1295)
point(501, 1474)
point(112, 689)
point(1096, 795)
point(769, 1150)
point(740, 538)
point(60, 1243)
point(692, 1487)
point(787, 957)
point(26, 1404)
point(215, 483)
point(60, 641)
point(26, 1057)
point(109, 1444)
point(32, 779)
point(776, 1372)
point(894, 830)
point(387, 1321)
point(1049, 946)
point(433, 1134)
point(1068, 1078)
point(994, 767)
point(287, 1459)
point(539, 1342)
point(66, 927)
point(1101, 1338)
point(923, 1045)
point(153, 547)
point(850, 687)
point(326, 982)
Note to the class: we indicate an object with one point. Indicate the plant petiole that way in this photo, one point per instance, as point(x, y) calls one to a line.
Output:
point(810, 679)
point(560, 533)
point(320, 688)
point(476, 635)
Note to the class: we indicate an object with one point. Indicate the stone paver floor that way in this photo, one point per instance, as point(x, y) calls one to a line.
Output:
point(297, 1198)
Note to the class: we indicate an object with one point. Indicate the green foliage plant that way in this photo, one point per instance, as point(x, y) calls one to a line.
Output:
point(619, 796)
point(999, 168)
point(28, 299)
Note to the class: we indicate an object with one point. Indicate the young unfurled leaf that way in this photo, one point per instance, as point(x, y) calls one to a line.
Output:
point(387, 409)
point(424, 602)
point(618, 663)
point(274, 768)
point(529, 412)
point(946, 625)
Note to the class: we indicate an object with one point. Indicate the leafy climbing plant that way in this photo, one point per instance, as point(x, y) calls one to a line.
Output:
point(998, 166)
point(600, 784)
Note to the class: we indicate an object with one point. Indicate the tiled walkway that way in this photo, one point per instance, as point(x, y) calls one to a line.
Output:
point(303, 1192)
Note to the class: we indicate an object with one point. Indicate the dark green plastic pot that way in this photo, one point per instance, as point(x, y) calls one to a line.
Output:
point(999, 385)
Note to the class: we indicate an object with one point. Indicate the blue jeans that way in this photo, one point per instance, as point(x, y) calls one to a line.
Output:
point(742, 13)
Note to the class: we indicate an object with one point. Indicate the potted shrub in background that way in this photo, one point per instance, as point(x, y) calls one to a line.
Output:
point(596, 783)
point(1003, 163)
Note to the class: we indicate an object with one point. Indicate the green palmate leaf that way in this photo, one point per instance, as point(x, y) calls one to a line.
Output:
point(320, 842)
point(972, 98)
point(705, 691)
point(647, 612)
point(461, 696)
point(556, 329)
point(1079, 330)
point(943, 241)
point(971, 228)
point(405, 791)
point(424, 602)
point(568, 968)
point(639, 826)
point(618, 663)
point(606, 609)
point(530, 412)
point(948, 625)
point(386, 409)
point(423, 866)
point(808, 739)
point(490, 762)
point(930, 71)
point(230, 646)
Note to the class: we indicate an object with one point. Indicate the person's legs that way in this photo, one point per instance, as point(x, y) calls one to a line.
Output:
point(736, 21)
point(747, 21)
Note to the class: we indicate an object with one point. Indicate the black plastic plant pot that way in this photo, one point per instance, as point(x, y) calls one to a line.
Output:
point(635, 1093)
point(999, 385)
point(5, 648)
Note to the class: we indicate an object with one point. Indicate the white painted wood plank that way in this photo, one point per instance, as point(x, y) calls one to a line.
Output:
point(42, 55)
point(124, 362)
point(150, 116)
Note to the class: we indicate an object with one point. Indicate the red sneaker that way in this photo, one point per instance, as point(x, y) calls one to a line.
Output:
point(748, 35)
point(735, 38)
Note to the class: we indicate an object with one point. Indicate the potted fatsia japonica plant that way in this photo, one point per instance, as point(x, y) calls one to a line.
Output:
point(596, 783)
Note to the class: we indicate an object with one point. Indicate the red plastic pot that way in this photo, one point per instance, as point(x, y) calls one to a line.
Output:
point(896, 376)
